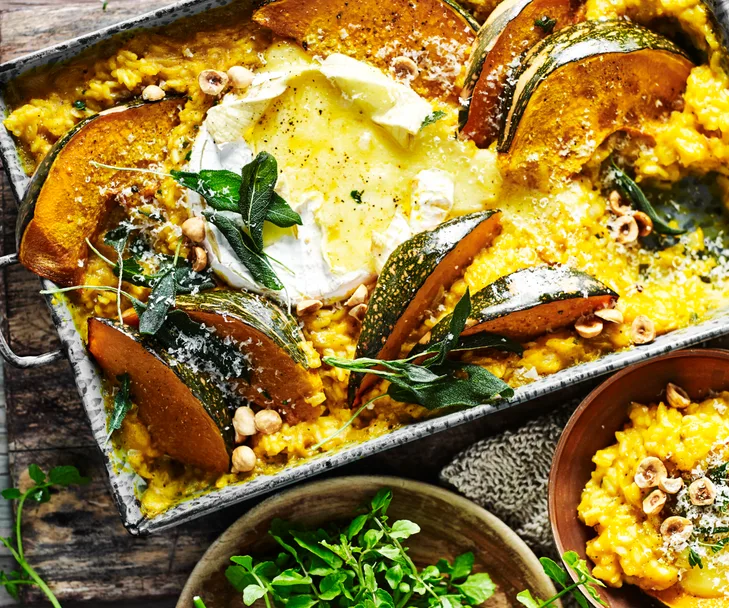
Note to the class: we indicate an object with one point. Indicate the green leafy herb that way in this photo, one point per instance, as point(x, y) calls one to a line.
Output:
point(159, 303)
point(432, 118)
point(79, 104)
point(218, 187)
point(62, 476)
point(694, 558)
point(357, 196)
point(362, 564)
point(281, 215)
point(255, 261)
point(250, 197)
point(258, 180)
point(546, 23)
point(429, 378)
point(633, 192)
point(122, 403)
point(117, 239)
point(584, 585)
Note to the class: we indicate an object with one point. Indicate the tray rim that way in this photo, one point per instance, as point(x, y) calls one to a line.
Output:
point(88, 380)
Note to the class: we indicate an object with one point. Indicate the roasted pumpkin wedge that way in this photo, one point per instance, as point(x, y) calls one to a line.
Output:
point(436, 34)
point(272, 340)
point(514, 27)
point(186, 414)
point(531, 302)
point(68, 198)
point(580, 85)
point(410, 281)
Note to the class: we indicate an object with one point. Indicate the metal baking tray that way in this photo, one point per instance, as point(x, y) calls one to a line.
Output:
point(88, 378)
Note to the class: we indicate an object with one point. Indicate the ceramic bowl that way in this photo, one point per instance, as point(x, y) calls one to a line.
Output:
point(593, 426)
point(450, 525)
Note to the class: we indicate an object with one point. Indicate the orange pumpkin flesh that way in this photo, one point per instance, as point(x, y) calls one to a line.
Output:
point(530, 323)
point(175, 418)
point(448, 270)
point(283, 383)
point(577, 107)
point(502, 45)
point(429, 31)
point(75, 196)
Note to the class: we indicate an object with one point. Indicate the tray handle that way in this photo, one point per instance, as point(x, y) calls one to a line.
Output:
point(5, 351)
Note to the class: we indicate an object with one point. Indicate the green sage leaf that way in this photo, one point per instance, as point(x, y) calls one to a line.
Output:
point(258, 179)
point(256, 263)
point(220, 188)
point(631, 190)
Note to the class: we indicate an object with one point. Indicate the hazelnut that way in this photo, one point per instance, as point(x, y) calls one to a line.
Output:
point(676, 396)
point(617, 205)
point(645, 223)
point(359, 312)
point(308, 307)
point(130, 317)
point(268, 421)
point(194, 229)
point(670, 485)
point(702, 492)
point(358, 297)
point(244, 424)
point(626, 229)
point(650, 471)
point(404, 67)
point(212, 82)
point(244, 459)
point(654, 502)
point(677, 528)
point(153, 93)
point(589, 327)
point(643, 330)
point(200, 259)
point(240, 77)
point(611, 315)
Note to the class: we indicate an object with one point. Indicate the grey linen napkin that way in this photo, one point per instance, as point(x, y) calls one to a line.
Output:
point(507, 475)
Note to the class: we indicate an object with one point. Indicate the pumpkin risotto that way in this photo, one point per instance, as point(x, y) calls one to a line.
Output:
point(657, 499)
point(283, 198)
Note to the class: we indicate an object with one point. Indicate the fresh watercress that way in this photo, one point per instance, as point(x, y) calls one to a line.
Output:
point(585, 583)
point(362, 564)
point(40, 492)
point(429, 378)
point(633, 192)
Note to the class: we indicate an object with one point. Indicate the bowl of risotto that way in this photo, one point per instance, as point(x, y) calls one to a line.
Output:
point(639, 482)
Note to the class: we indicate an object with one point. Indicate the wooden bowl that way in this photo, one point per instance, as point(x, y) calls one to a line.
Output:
point(450, 525)
point(592, 428)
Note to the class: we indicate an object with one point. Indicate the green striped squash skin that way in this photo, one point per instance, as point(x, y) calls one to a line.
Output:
point(489, 33)
point(26, 209)
point(575, 43)
point(203, 389)
point(257, 312)
point(463, 13)
point(404, 274)
point(528, 289)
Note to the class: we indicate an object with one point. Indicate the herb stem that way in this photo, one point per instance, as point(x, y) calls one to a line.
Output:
point(406, 557)
point(31, 572)
point(565, 591)
point(99, 165)
point(347, 424)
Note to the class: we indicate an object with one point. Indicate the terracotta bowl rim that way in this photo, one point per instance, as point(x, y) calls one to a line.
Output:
point(583, 407)
point(509, 537)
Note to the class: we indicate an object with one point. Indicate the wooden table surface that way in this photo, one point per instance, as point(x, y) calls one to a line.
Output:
point(77, 541)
